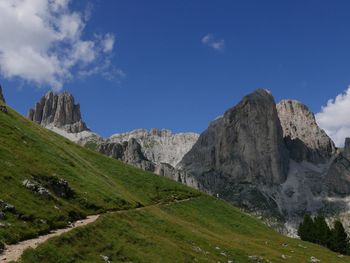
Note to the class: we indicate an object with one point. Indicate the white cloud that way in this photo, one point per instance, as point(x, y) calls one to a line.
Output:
point(210, 41)
point(108, 43)
point(334, 118)
point(41, 41)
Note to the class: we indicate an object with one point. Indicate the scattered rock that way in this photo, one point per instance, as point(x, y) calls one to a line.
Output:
point(314, 260)
point(7, 207)
point(3, 109)
point(2, 215)
point(37, 188)
point(106, 259)
point(285, 256)
point(256, 258)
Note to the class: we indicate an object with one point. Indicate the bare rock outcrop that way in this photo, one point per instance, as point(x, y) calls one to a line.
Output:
point(241, 153)
point(60, 111)
point(160, 145)
point(2, 98)
point(338, 175)
point(128, 152)
point(305, 140)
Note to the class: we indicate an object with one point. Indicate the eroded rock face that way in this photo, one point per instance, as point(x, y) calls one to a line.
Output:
point(2, 98)
point(129, 152)
point(58, 110)
point(338, 175)
point(241, 153)
point(245, 145)
point(305, 140)
point(160, 145)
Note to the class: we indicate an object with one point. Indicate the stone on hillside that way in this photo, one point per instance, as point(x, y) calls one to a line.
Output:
point(3, 109)
point(36, 188)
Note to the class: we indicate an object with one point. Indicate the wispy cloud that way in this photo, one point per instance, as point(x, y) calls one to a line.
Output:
point(334, 118)
point(42, 42)
point(210, 41)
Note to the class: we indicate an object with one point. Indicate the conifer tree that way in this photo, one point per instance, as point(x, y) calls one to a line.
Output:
point(339, 241)
point(322, 231)
point(306, 229)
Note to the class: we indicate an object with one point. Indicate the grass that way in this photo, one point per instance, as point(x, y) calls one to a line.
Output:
point(202, 229)
point(28, 151)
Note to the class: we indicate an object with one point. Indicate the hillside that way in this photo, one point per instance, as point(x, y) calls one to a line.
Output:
point(47, 181)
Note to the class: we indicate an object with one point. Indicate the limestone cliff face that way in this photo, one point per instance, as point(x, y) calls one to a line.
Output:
point(338, 175)
point(241, 153)
point(160, 145)
point(245, 145)
point(60, 111)
point(2, 98)
point(305, 140)
point(128, 152)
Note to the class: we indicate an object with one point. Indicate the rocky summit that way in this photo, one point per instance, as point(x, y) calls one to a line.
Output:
point(60, 111)
point(272, 160)
point(241, 153)
point(155, 150)
point(304, 139)
point(2, 98)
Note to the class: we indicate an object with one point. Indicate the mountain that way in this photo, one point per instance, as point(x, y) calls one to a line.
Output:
point(241, 153)
point(155, 150)
point(58, 112)
point(272, 160)
point(47, 181)
point(160, 146)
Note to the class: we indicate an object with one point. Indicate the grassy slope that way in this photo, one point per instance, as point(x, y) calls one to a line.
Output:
point(202, 229)
point(100, 183)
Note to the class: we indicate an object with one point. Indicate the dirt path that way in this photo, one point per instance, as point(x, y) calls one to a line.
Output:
point(14, 252)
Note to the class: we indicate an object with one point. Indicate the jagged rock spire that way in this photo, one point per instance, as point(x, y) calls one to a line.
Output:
point(2, 98)
point(58, 110)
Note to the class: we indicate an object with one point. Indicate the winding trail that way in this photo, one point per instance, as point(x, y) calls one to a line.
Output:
point(15, 251)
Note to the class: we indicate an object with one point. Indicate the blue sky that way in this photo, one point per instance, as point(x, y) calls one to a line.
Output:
point(165, 76)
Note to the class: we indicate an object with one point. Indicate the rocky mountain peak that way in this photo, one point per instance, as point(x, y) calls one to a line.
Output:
point(240, 151)
point(58, 110)
point(2, 98)
point(304, 138)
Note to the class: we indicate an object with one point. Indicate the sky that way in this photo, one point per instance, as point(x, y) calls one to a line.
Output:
point(176, 64)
